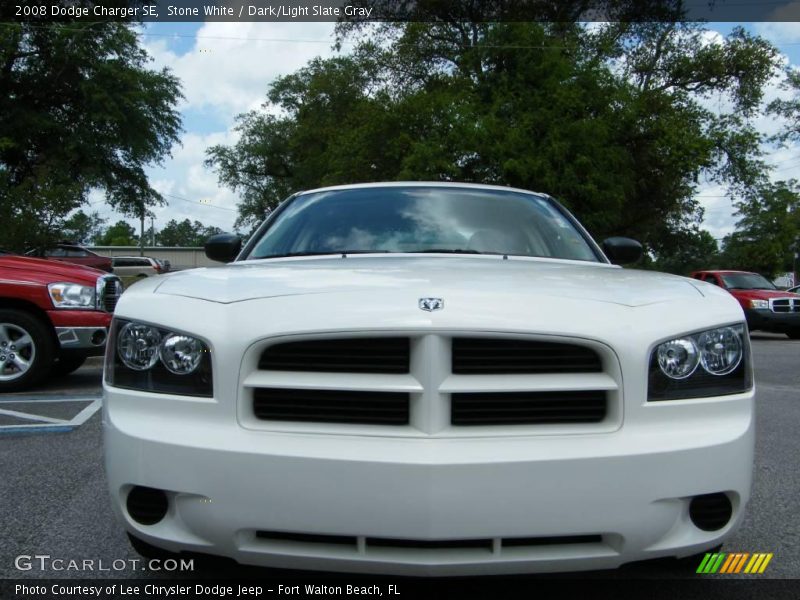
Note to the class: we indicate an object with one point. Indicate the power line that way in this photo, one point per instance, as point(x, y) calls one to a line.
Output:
point(198, 202)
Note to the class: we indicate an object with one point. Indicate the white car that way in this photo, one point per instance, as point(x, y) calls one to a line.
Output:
point(434, 379)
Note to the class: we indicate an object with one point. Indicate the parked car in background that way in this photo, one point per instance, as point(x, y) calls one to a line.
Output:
point(73, 253)
point(427, 379)
point(52, 317)
point(766, 307)
point(136, 266)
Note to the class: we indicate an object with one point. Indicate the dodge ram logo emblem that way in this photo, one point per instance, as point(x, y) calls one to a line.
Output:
point(430, 304)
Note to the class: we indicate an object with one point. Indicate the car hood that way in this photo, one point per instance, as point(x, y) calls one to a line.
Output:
point(429, 276)
point(39, 269)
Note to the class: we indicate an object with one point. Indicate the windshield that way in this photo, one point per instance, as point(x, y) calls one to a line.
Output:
point(747, 281)
point(419, 219)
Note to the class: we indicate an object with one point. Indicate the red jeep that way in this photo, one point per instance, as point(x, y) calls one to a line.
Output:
point(765, 306)
point(53, 316)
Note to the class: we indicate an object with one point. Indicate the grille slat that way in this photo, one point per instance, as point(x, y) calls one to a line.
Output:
point(112, 290)
point(347, 355)
point(473, 356)
point(331, 406)
point(528, 408)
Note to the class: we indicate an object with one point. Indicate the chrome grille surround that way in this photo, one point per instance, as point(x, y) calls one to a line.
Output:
point(784, 305)
point(108, 290)
point(430, 383)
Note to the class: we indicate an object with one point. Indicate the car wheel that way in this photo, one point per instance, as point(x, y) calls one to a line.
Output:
point(794, 334)
point(26, 350)
point(66, 365)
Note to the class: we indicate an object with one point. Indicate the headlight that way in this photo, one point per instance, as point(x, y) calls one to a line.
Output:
point(759, 303)
point(154, 359)
point(715, 362)
point(71, 295)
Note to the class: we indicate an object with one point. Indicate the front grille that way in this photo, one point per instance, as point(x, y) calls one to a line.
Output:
point(347, 355)
point(528, 408)
point(433, 383)
point(110, 294)
point(371, 543)
point(504, 356)
point(785, 305)
point(331, 406)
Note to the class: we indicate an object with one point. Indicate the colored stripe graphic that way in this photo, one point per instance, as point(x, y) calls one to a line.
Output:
point(722, 562)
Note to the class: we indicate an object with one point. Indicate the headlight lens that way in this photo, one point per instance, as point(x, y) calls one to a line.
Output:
point(714, 362)
point(150, 358)
point(759, 303)
point(138, 345)
point(720, 350)
point(678, 358)
point(181, 354)
point(71, 295)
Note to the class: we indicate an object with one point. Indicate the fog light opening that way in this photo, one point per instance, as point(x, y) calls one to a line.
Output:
point(99, 337)
point(711, 512)
point(147, 506)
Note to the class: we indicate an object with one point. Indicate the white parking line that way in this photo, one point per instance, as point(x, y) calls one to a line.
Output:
point(28, 417)
point(44, 424)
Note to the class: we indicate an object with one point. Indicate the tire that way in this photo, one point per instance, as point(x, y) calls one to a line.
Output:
point(794, 334)
point(67, 364)
point(23, 336)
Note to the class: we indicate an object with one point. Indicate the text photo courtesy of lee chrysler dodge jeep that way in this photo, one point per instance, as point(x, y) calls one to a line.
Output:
point(53, 315)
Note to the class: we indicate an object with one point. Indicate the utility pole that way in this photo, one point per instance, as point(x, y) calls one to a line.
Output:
point(152, 231)
point(141, 231)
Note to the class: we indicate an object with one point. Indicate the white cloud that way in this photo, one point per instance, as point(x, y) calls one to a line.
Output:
point(231, 65)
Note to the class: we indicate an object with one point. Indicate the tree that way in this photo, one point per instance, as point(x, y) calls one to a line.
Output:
point(82, 228)
point(119, 234)
point(688, 251)
point(185, 233)
point(768, 231)
point(79, 110)
point(607, 119)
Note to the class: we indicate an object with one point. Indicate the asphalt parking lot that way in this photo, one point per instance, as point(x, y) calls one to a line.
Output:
point(53, 497)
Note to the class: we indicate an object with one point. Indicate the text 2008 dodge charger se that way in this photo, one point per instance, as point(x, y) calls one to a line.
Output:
point(421, 378)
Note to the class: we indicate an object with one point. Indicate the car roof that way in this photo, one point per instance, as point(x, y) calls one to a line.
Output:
point(443, 184)
point(133, 257)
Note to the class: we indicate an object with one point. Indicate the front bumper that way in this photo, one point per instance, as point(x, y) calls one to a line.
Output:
point(81, 331)
point(766, 320)
point(625, 493)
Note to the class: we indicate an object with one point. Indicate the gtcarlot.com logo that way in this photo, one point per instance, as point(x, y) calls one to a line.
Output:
point(734, 562)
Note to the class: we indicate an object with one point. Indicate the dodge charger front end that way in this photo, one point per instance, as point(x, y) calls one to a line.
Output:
point(435, 379)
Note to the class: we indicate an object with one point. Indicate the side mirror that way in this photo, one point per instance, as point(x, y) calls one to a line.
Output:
point(223, 247)
point(622, 250)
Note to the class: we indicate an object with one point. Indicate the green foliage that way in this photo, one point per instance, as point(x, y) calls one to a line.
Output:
point(185, 233)
point(119, 234)
point(607, 119)
point(688, 251)
point(768, 232)
point(79, 109)
point(82, 228)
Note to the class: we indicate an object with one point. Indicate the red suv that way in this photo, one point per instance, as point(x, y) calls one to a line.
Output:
point(766, 307)
point(53, 316)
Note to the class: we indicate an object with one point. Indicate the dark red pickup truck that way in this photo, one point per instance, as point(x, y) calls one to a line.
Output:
point(766, 307)
point(53, 316)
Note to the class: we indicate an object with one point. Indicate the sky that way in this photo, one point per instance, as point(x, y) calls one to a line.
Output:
point(226, 69)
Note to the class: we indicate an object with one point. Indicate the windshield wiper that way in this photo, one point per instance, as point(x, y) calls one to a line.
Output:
point(320, 253)
point(446, 251)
